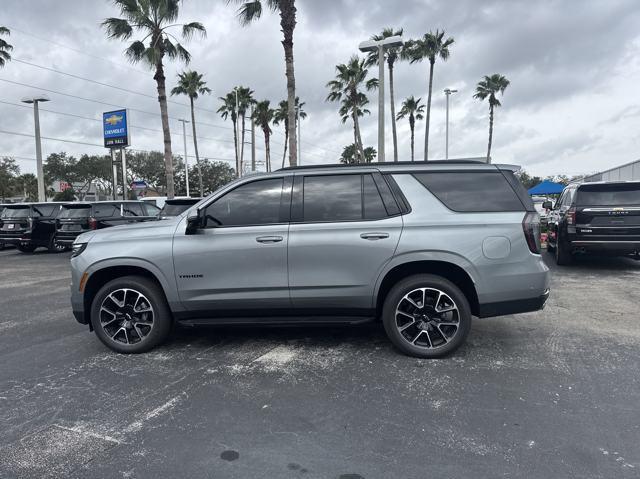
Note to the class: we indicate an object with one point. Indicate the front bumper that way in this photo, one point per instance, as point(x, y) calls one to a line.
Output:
point(527, 305)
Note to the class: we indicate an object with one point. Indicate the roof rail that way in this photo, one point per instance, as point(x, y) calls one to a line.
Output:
point(377, 164)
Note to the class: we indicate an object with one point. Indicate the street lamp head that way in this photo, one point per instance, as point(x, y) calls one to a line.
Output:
point(33, 99)
point(373, 45)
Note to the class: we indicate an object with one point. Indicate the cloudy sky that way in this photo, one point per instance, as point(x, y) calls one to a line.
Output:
point(573, 105)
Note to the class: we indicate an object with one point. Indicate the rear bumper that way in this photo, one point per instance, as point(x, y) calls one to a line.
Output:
point(527, 305)
point(622, 246)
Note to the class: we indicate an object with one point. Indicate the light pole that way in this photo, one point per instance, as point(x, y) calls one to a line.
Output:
point(373, 45)
point(36, 114)
point(299, 139)
point(186, 161)
point(447, 92)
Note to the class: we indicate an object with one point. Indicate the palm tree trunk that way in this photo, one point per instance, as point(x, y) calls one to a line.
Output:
point(412, 125)
point(286, 139)
point(166, 133)
point(235, 146)
point(288, 24)
point(268, 150)
point(195, 146)
point(242, 143)
point(426, 131)
point(393, 114)
point(490, 133)
point(359, 147)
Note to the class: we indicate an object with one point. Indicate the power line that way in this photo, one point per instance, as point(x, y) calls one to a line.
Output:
point(64, 140)
point(111, 105)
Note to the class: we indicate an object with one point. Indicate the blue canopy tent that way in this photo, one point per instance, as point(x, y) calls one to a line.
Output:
point(547, 188)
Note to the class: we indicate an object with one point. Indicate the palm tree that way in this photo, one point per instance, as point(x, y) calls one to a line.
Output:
point(5, 48)
point(414, 110)
point(252, 10)
point(281, 115)
point(350, 155)
point(153, 18)
point(392, 55)
point(263, 116)
point(345, 88)
point(245, 101)
point(431, 46)
point(228, 110)
point(190, 83)
point(488, 87)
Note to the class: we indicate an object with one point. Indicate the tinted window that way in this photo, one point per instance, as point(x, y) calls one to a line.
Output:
point(107, 210)
point(152, 210)
point(133, 209)
point(472, 191)
point(255, 203)
point(75, 212)
point(16, 212)
point(332, 198)
point(609, 195)
point(373, 204)
point(174, 209)
point(46, 210)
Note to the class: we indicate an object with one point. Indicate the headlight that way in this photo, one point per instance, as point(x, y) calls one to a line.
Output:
point(77, 249)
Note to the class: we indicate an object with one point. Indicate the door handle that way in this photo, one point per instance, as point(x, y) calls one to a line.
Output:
point(374, 236)
point(269, 239)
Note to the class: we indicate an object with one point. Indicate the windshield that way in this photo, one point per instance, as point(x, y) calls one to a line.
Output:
point(16, 212)
point(609, 195)
point(75, 212)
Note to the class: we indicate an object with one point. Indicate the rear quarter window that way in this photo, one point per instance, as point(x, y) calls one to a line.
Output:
point(472, 191)
point(106, 210)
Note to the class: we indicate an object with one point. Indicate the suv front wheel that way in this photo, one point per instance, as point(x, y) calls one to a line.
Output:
point(130, 315)
point(426, 316)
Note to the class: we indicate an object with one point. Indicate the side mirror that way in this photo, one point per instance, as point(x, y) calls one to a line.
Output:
point(194, 222)
point(547, 205)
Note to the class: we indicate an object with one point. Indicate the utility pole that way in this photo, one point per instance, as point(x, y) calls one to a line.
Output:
point(379, 46)
point(253, 141)
point(299, 137)
point(186, 161)
point(123, 157)
point(447, 92)
point(39, 170)
point(114, 168)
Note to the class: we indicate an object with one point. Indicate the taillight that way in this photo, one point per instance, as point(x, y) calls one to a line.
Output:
point(531, 228)
point(571, 216)
point(93, 224)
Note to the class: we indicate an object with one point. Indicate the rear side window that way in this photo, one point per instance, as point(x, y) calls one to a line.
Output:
point(373, 205)
point(106, 210)
point(332, 198)
point(609, 195)
point(472, 191)
point(16, 212)
point(45, 211)
point(133, 209)
point(75, 212)
point(152, 210)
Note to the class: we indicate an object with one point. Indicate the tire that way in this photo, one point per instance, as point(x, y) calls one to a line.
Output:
point(563, 257)
point(54, 247)
point(421, 331)
point(26, 248)
point(118, 319)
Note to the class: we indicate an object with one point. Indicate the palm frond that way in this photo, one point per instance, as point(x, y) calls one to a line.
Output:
point(135, 52)
point(118, 28)
point(190, 29)
point(248, 11)
point(5, 31)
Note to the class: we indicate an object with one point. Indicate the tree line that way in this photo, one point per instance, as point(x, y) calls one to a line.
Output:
point(86, 170)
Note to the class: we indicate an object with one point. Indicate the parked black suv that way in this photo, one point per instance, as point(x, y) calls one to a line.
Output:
point(2, 244)
point(30, 225)
point(76, 218)
point(599, 217)
point(176, 207)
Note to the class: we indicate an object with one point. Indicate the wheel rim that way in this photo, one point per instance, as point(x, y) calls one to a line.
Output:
point(126, 316)
point(427, 318)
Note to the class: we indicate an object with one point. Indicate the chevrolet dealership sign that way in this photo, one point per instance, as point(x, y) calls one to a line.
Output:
point(115, 128)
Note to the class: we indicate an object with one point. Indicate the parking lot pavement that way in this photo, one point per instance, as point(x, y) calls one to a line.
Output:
point(554, 393)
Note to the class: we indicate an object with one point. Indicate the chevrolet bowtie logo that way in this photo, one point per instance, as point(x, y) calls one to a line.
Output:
point(113, 119)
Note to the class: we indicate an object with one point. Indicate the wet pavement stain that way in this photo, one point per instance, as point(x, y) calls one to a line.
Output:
point(230, 455)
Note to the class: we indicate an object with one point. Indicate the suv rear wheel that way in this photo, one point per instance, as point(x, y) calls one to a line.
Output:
point(26, 248)
point(426, 316)
point(131, 315)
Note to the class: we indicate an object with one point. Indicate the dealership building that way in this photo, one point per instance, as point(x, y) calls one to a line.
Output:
point(627, 172)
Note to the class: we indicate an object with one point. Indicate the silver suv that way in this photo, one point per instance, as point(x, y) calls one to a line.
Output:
point(420, 247)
